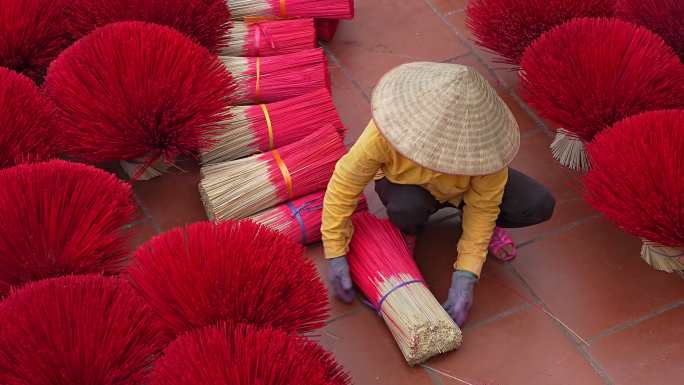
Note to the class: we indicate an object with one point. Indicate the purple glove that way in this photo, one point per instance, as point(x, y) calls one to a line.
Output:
point(340, 279)
point(460, 296)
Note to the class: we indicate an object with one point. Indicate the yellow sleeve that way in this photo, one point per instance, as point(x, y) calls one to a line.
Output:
point(480, 212)
point(352, 173)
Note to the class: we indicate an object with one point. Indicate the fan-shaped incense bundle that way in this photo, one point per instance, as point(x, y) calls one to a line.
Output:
point(207, 272)
point(588, 74)
point(62, 218)
point(384, 270)
point(300, 219)
point(77, 330)
point(283, 9)
point(273, 78)
point(260, 128)
point(326, 28)
point(243, 187)
point(664, 17)
point(507, 27)
point(241, 354)
point(269, 38)
point(637, 182)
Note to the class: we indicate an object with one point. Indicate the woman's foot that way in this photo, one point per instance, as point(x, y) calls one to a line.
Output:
point(502, 246)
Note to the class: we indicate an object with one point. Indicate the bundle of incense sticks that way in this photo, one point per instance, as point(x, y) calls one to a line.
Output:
point(243, 187)
point(384, 270)
point(283, 9)
point(273, 78)
point(269, 38)
point(300, 219)
point(263, 127)
point(326, 28)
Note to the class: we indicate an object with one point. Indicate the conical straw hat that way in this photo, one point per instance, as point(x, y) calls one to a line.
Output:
point(446, 118)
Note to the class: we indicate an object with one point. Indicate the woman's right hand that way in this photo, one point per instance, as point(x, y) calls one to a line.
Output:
point(340, 279)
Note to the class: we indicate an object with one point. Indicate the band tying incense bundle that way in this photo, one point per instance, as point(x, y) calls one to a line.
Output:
point(61, 218)
point(300, 219)
point(84, 329)
point(384, 270)
point(283, 9)
point(270, 38)
point(244, 187)
point(138, 92)
point(205, 272)
point(586, 84)
point(274, 78)
point(230, 354)
point(260, 128)
point(28, 123)
point(637, 182)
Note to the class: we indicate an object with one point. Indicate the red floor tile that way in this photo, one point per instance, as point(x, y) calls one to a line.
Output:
point(649, 353)
point(366, 348)
point(522, 349)
point(353, 107)
point(173, 199)
point(498, 289)
point(534, 159)
point(386, 33)
point(141, 233)
point(592, 278)
point(448, 6)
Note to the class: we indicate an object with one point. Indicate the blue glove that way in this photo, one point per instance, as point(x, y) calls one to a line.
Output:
point(460, 296)
point(340, 279)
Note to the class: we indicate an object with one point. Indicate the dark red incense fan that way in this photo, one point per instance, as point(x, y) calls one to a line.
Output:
point(241, 271)
point(588, 74)
point(230, 354)
point(637, 182)
point(664, 17)
point(86, 330)
point(61, 218)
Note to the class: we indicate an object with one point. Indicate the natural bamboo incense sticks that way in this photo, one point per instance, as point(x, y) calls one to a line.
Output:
point(269, 38)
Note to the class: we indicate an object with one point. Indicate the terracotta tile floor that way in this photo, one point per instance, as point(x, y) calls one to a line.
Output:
point(577, 306)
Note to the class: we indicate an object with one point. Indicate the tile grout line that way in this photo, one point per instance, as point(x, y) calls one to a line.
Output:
point(146, 213)
point(559, 230)
point(634, 322)
point(447, 375)
point(605, 377)
point(345, 72)
point(434, 376)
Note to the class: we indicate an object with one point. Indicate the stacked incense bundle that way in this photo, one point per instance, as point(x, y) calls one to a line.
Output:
point(326, 28)
point(586, 84)
point(274, 78)
point(384, 270)
point(269, 38)
point(300, 219)
point(637, 182)
point(283, 9)
point(241, 354)
point(260, 128)
point(240, 188)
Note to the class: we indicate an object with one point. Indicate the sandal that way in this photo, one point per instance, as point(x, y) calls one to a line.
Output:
point(500, 239)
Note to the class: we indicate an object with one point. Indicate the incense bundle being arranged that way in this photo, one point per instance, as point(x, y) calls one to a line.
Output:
point(587, 84)
point(80, 329)
point(205, 272)
point(283, 9)
point(269, 38)
point(274, 78)
point(382, 267)
point(29, 127)
point(263, 127)
point(139, 92)
point(230, 353)
point(300, 219)
point(637, 181)
point(243, 187)
point(62, 218)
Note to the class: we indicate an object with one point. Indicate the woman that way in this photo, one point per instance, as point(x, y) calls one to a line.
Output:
point(440, 136)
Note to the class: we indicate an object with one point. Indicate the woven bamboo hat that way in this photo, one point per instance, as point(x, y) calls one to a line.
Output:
point(446, 118)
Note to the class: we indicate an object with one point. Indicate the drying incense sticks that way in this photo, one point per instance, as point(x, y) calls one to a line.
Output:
point(269, 38)
point(300, 219)
point(260, 128)
point(243, 187)
point(384, 270)
point(273, 78)
point(330, 9)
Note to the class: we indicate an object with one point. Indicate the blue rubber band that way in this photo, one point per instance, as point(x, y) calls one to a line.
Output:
point(378, 308)
point(296, 214)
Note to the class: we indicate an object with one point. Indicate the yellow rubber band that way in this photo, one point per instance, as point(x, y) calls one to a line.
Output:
point(267, 117)
point(283, 170)
point(258, 78)
point(283, 9)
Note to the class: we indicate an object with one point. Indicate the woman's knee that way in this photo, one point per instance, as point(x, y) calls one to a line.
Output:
point(409, 217)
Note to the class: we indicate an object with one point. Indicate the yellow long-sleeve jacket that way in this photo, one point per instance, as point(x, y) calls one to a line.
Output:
point(371, 157)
